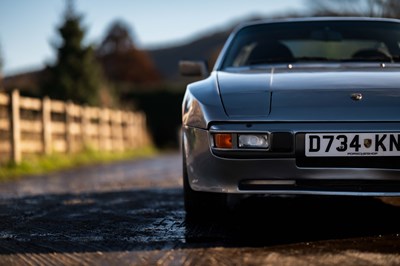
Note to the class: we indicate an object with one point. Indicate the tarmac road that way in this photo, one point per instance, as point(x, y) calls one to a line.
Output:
point(131, 213)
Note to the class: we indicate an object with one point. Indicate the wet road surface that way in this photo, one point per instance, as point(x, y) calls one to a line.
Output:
point(131, 213)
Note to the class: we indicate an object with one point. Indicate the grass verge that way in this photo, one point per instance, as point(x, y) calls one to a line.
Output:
point(55, 162)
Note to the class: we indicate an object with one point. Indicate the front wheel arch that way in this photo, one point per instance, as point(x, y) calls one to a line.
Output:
point(198, 202)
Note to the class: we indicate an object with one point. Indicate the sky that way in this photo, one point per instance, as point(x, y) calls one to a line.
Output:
point(28, 28)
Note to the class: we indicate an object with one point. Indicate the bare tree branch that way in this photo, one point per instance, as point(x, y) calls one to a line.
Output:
point(370, 8)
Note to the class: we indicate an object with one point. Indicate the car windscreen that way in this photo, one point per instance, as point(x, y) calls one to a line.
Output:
point(314, 41)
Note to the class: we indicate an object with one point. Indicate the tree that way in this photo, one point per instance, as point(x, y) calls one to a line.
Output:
point(122, 61)
point(370, 8)
point(76, 74)
point(1, 67)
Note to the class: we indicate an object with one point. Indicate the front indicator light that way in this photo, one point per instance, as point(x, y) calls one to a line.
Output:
point(260, 141)
point(223, 141)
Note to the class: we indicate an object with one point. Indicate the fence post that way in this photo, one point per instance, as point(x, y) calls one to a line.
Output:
point(113, 139)
point(105, 134)
point(84, 127)
point(46, 125)
point(15, 127)
point(135, 130)
point(68, 123)
point(126, 118)
point(130, 130)
point(118, 144)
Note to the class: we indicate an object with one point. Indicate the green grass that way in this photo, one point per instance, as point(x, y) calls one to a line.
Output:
point(46, 164)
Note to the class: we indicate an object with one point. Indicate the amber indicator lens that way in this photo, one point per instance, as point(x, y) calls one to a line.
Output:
point(223, 141)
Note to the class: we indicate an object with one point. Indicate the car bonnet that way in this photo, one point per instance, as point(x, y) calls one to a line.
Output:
point(322, 94)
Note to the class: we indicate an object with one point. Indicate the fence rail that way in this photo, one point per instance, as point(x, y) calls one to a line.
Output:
point(42, 126)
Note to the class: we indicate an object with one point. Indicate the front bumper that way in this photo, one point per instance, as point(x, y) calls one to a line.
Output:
point(284, 174)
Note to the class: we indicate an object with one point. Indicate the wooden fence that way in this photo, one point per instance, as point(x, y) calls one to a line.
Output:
point(34, 126)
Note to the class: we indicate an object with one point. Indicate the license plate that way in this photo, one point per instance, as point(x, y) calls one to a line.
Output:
point(352, 144)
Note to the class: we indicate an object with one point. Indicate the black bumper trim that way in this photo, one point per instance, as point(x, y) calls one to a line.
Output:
point(282, 146)
point(377, 186)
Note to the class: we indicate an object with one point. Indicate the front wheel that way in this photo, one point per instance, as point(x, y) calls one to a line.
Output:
point(201, 204)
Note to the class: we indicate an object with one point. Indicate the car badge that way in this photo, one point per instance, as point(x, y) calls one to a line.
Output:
point(367, 143)
point(356, 96)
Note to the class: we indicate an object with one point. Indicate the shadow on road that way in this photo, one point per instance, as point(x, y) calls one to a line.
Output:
point(260, 222)
point(154, 219)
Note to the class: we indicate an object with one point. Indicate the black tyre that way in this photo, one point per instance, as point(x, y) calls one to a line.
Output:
point(202, 204)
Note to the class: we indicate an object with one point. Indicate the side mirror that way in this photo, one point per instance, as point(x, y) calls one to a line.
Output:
point(193, 68)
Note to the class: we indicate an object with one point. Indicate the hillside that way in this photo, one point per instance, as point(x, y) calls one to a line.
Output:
point(203, 48)
point(166, 61)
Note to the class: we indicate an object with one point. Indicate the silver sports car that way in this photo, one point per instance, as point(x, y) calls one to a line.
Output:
point(295, 107)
